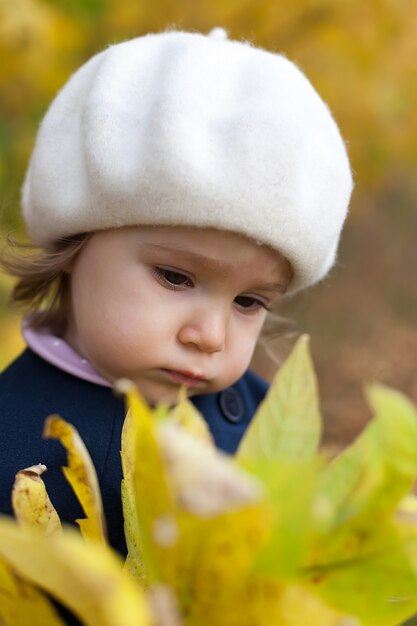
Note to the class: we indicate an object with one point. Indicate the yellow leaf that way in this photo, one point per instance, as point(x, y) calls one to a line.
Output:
point(219, 553)
point(204, 481)
point(266, 602)
point(134, 562)
point(135, 567)
point(186, 415)
point(406, 511)
point(21, 604)
point(81, 475)
point(301, 607)
point(287, 424)
point(197, 518)
point(164, 606)
point(31, 504)
point(222, 519)
point(148, 504)
point(86, 577)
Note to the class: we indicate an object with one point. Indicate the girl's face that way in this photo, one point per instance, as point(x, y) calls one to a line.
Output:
point(165, 306)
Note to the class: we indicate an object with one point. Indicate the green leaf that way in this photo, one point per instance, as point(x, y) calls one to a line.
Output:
point(370, 477)
point(378, 586)
point(398, 422)
point(366, 558)
point(290, 489)
point(287, 424)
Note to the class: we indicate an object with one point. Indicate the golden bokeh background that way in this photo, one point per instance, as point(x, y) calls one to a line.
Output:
point(361, 55)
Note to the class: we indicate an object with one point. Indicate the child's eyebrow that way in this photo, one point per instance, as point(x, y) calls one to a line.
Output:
point(212, 264)
point(199, 259)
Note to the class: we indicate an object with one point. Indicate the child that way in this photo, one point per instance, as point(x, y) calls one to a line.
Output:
point(179, 186)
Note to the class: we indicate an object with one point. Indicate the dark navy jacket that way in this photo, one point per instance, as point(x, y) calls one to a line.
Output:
point(31, 389)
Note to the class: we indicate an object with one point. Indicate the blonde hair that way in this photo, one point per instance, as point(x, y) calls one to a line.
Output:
point(43, 284)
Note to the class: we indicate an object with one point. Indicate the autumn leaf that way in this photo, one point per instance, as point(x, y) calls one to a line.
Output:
point(270, 537)
point(369, 478)
point(81, 475)
point(288, 421)
point(186, 415)
point(148, 504)
point(366, 560)
point(86, 577)
point(22, 604)
point(31, 504)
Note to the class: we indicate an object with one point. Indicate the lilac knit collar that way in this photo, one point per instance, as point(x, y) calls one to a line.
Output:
point(56, 351)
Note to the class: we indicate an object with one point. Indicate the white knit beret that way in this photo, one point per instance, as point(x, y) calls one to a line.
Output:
point(180, 128)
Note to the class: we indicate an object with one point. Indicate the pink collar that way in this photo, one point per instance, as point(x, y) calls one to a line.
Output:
point(56, 351)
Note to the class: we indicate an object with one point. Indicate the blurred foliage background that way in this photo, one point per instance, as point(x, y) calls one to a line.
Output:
point(361, 56)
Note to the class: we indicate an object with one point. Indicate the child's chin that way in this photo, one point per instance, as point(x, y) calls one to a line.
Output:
point(161, 395)
point(171, 398)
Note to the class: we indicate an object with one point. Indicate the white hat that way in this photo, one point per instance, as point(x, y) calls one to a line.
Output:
point(180, 128)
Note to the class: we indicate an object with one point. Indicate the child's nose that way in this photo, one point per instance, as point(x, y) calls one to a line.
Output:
point(206, 329)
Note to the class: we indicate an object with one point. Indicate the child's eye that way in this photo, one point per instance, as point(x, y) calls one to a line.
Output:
point(250, 304)
point(172, 278)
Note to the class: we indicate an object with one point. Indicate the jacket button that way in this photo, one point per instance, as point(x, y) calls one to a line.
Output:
point(231, 405)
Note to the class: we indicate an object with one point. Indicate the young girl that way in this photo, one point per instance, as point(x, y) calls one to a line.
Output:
point(180, 185)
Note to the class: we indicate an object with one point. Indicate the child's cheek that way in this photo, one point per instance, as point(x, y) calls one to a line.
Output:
point(236, 364)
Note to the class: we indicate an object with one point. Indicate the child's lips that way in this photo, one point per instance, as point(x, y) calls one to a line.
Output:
point(184, 378)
